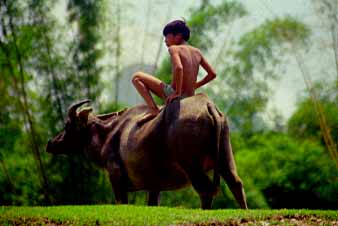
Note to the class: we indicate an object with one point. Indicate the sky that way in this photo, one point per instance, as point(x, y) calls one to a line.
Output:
point(142, 38)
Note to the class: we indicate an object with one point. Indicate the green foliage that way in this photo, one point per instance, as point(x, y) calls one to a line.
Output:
point(245, 80)
point(38, 82)
point(258, 47)
point(75, 180)
point(86, 54)
point(287, 173)
point(112, 107)
point(16, 130)
point(23, 186)
point(14, 186)
point(164, 71)
point(182, 198)
point(187, 198)
point(208, 17)
point(304, 123)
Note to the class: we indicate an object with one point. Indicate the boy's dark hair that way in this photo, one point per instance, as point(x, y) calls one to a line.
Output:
point(177, 27)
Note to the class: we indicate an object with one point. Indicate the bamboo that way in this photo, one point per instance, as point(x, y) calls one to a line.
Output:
point(324, 127)
point(51, 71)
point(159, 49)
point(145, 33)
point(333, 20)
point(24, 105)
point(117, 51)
point(4, 169)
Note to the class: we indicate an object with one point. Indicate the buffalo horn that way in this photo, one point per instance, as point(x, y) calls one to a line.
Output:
point(72, 109)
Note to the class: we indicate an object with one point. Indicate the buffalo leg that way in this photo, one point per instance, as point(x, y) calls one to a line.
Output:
point(153, 198)
point(117, 182)
point(204, 187)
point(229, 172)
point(121, 196)
point(236, 186)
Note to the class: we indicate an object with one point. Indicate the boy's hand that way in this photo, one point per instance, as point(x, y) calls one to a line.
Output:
point(171, 98)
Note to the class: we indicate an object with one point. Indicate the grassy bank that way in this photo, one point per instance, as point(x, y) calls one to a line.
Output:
point(139, 215)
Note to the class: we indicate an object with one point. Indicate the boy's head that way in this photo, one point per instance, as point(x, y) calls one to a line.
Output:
point(176, 31)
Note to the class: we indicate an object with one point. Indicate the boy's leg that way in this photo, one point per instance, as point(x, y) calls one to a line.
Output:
point(144, 83)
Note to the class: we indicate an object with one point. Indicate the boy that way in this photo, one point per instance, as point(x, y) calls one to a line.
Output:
point(185, 60)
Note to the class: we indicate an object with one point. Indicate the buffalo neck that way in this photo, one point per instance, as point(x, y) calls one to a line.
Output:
point(97, 133)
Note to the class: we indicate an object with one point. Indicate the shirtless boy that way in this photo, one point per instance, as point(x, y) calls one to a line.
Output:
point(185, 61)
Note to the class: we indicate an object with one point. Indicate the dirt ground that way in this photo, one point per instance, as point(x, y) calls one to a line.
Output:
point(276, 220)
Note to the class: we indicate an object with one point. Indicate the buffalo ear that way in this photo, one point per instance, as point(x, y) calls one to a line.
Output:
point(83, 116)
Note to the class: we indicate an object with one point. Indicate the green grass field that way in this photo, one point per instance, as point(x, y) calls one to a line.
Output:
point(140, 215)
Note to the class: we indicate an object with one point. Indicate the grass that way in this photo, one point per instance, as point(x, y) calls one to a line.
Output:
point(139, 215)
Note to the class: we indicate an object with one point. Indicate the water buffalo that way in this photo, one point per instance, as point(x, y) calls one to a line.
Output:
point(175, 149)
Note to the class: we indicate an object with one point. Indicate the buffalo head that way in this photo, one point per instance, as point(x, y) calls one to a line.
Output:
point(73, 138)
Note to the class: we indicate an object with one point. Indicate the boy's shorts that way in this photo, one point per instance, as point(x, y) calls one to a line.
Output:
point(168, 90)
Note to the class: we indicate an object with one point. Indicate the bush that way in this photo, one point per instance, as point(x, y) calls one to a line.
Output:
point(280, 172)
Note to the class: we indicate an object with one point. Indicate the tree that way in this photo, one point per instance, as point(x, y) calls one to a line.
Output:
point(327, 13)
point(305, 124)
point(15, 47)
point(38, 85)
point(245, 79)
point(86, 15)
point(76, 177)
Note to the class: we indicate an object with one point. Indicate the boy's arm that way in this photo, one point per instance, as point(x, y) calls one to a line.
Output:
point(177, 73)
point(177, 69)
point(211, 73)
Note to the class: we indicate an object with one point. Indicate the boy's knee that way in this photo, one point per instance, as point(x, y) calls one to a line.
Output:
point(137, 76)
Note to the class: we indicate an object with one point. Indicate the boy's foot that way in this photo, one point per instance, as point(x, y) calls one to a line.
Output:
point(148, 115)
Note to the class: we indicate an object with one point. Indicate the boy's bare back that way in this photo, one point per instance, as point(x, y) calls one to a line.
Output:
point(190, 59)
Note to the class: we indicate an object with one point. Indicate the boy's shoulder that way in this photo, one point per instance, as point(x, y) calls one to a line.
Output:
point(175, 48)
